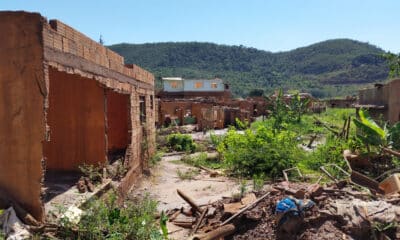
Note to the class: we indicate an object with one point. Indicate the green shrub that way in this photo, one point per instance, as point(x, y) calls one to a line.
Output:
point(104, 219)
point(259, 151)
point(196, 161)
point(241, 125)
point(258, 181)
point(181, 142)
point(330, 152)
point(94, 173)
point(189, 174)
point(156, 157)
point(215, 140)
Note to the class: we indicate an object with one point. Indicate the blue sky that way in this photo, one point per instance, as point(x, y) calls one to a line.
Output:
point(272, 25)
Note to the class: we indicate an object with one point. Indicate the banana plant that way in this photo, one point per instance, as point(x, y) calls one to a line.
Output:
point(371, 134)
point(298, 106)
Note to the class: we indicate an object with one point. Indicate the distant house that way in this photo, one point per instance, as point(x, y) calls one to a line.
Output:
point(347, 102)
point(382, 101)
point(176, 87)
point(205, 102)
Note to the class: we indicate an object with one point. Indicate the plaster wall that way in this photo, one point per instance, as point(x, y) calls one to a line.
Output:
point(118, 120)
point(394, 101)
point(22, 99)
point(77, 121)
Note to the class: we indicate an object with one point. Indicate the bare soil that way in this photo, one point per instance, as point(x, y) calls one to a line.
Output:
point(163, 182)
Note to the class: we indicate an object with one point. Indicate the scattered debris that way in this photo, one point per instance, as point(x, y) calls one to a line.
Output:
point(73, 214)
point(334, 211)
point(391, 184)
point(291, 169)
point(12, 226)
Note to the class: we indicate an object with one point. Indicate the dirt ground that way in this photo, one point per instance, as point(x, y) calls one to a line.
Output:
point(163, 182)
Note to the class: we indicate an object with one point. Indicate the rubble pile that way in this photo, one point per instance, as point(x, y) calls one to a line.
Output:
point(338, 211)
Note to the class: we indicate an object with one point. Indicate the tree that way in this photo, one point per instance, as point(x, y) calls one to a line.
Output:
point(393, 61)
point(101, 41)
point(257, 92)
point(298, 106)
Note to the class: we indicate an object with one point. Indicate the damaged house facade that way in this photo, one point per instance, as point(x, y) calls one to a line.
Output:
point(205, 102)
point(66, 101)
point(382, 101)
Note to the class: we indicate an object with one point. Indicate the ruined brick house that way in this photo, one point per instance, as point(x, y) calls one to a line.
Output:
point(66, 100)
point(382, 101)
point(347, 102)
point(205, 102)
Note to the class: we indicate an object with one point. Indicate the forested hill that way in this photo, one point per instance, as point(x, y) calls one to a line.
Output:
point(326, 69)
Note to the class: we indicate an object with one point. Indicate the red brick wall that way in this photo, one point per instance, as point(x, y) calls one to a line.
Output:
point(64, 38)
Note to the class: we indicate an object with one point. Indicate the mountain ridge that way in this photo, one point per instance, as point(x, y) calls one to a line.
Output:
point(335, 67)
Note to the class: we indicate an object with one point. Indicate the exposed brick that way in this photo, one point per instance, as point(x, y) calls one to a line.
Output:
point(48, 39)
point(57, 42)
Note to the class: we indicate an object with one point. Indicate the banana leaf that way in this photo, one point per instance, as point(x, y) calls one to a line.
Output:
point(368, 121)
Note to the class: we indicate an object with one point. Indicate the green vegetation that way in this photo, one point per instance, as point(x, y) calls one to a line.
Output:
point(104, 219)
point(188, 174)
point(258, 181)
point(163, 225)
point(202, 160)
point(371, 134)
point(329, 152)
point(259, 151)
point(283, 113)
point(267, 148)
point(156, 157)
point(92, 172)
point(327, 69)
point(394, 64)
point(181, 142)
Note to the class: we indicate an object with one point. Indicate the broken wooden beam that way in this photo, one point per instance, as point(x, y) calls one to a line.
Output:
point(212, 172)
point(291, 169)
point(245, 209)
point(343, 133)
point(189, 201)
point(328, 174)
point(392, 152)
point(218, 233)
point(183, 224)
point(286, 190)
point(348, 128)
point(312, 139)
point(327, 127)
point(200, 220)
point(365, 181)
